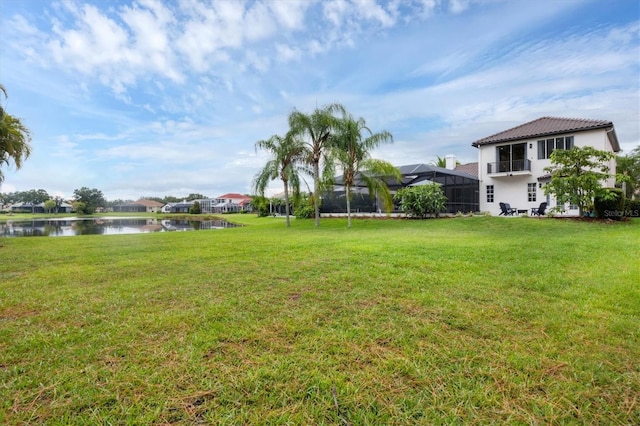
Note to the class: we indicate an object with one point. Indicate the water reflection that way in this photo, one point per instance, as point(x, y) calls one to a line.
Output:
point(105, 225)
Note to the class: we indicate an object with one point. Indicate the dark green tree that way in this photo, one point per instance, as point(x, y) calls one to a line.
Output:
point(195, 196)
point(35, 196)
point(92, 199)
point(195, 208)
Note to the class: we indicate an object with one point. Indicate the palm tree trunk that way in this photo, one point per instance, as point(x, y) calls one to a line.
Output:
point(316, 191)
point(348, 194)
point(286, 201)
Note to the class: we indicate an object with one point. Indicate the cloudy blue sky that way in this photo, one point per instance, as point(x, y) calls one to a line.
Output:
point(141, 98)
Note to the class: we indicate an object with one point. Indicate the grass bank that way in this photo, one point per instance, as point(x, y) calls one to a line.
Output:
point(466, 320)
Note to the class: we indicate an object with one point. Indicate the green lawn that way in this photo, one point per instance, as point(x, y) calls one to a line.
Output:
point(454, 321)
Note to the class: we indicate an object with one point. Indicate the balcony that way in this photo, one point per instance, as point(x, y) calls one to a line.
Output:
point(520, 167)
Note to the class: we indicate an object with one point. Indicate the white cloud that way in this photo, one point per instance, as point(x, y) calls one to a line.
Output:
point(458, 6)
point(290, 14)
point(287, 54)
point(335, 11)
point(259, 23)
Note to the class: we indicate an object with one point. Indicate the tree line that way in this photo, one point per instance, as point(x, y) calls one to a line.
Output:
point(85, 200)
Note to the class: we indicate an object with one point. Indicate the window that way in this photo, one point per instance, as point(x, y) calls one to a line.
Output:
point(531, 192)
point(511, 157)
point(547, 146)
point(489, 193)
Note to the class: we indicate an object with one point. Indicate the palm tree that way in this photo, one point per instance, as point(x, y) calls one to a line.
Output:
point(440, 162)
point(355, 141)
point(286, 153)
point(315, 130)
point(629, 167)
point(14, 139)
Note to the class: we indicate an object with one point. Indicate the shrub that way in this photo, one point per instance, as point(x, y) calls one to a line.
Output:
point(609, 203)
point(421, 201)
point(80, 208)
point(260, 205)
point(304, 211)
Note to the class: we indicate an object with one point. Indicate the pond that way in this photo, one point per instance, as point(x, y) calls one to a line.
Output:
point(72, 226)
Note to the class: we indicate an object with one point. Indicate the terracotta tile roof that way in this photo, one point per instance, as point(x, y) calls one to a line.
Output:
point(469, 168)
point(235, 196)
point(149, 203)
point(546, 126)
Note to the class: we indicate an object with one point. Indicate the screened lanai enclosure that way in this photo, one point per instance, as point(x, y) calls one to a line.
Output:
point(460, 188)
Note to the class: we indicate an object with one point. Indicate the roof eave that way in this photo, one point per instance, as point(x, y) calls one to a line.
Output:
point(613, 139)
point(560, 132)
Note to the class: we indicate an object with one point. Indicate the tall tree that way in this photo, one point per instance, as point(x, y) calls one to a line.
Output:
point(354, 142)
point(35, 196)
point(49, 206)
point(92, 198)
point(577, 174)
point(315, 130)
point(14, 139)
point(286, 153)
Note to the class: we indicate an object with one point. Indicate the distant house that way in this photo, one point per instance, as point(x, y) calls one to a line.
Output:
point(230, 203)
point(39, 208)
point(182, 207)
point(26, 208)
point(511, 162)
point(140, 206)
point(63, 208)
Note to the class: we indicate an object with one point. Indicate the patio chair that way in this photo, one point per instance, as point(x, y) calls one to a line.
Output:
point(506, 210)
point(540, 210)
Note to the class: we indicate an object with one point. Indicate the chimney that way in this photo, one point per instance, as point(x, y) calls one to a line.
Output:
point(450, 161)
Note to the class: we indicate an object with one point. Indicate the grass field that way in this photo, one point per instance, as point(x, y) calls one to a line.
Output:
point(454, 321)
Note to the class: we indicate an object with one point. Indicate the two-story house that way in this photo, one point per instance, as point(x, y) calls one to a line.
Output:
point(511, 163)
